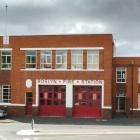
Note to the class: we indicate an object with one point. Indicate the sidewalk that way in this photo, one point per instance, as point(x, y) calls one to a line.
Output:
point(56, 132)
point(78, 121)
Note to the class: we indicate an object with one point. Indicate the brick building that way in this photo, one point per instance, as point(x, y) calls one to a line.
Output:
point(67, 75)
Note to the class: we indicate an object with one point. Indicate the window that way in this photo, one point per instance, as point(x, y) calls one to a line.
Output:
point(92, 59)
point(46, 59)
point(30, 59)
point(6, 59)
point(121, 75)
point(61, 59)
point(5, 94)
point(77, 59)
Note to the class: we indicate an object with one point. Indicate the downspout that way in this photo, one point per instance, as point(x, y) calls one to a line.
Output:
point(132, 77)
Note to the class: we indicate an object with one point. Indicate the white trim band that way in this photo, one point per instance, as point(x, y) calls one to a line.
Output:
point(61, 70)
point(5, 49)
point(70, 48)
point(9, 104)
point(135, 109)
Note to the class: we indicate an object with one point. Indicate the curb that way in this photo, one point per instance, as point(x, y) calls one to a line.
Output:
point(66, 133)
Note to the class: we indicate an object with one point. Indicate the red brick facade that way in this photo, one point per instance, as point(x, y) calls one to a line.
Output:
point(18, 74)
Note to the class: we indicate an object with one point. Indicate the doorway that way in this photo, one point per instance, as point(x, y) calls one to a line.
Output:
point(28, 107)
point(121, 104)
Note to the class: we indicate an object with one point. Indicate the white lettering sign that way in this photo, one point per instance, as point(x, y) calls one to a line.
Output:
point(73, 82)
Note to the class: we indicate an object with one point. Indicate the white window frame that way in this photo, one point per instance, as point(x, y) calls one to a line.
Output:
point(121, 69)
point(9, 94)
point(139, 75)
point(30, 60)
point(76, 60)
point(138, 100)
point(93, 62)
point(61, 60)
point(47, 63)
point(8, 64)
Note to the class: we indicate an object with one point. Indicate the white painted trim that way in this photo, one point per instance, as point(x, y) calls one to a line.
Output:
point(10, 104)
point(37, 94)
point(135, 109)
point(107, 107)
point(5, 49)
point(102, 94)
point(69, 48)
point(62, 70)
point(69, 85)
point(6, 68)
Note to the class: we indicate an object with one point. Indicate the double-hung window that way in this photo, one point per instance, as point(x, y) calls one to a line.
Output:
point(46, 59)
point(30, 59)
point(121, 74)
point(6, 59)
point(77, 59)
point(93, 59)
point(5, 93)
point(61, 59)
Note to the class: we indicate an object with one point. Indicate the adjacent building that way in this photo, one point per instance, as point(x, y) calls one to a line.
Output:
point(67, 76)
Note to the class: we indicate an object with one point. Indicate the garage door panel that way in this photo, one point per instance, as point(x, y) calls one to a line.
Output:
point(52, 100)
point(87, 101)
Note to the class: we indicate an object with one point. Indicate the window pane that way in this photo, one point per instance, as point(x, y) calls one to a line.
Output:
point(46, 58)
point(77, 59)
point(3, 59)
point(6, 52)
point(61, 59)
point(6, 59)
point(93, 59)
point(31, 52)
point(6, 97)
point(121, 74)
point(31, 59)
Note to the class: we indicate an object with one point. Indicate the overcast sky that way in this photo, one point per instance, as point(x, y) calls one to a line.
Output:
point(118, 17)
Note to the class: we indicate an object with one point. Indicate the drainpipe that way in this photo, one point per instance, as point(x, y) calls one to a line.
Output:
point(132, 78)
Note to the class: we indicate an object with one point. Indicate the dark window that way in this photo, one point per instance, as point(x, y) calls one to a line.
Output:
point(55, 102)
point(48, 102)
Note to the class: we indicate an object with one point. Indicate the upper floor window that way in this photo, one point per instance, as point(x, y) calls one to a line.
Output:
point(92, 59)
point(77, 59)
point(30, 59)
point(46, 59)
point(6, 59)
point(5, 93)
point(121, 75)
point(61, 59)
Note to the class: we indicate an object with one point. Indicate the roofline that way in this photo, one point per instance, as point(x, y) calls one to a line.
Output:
point(87, 34)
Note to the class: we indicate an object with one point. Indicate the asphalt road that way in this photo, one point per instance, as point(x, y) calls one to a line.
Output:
point(71, 130)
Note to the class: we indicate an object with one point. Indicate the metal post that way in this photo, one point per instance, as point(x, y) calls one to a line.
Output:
point(32, 124)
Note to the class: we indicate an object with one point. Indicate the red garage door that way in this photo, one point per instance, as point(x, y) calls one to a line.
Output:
point(87, 101)
point(52, 100)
